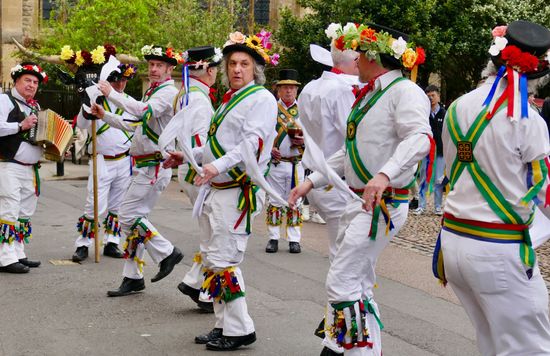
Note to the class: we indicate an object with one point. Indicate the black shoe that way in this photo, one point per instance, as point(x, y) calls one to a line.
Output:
point(167, 265)
point(191, 292)
point(328, 352)
point(128, 286)
point(413, 204)
point(294, 247)
point(228, 343)
point(32, 264)
point(213, 335)
point(80, 254)
point(272, 246)
point(320, 331)
point(111, 250)
point(206, 307)
point(16, 267)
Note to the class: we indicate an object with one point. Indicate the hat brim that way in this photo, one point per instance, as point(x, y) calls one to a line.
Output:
point(498, 62)
point(288, 82)
point(171, 61)
point(244, 48)
point(31, 72)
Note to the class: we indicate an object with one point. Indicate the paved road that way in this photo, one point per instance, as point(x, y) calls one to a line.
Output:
point(63, 310)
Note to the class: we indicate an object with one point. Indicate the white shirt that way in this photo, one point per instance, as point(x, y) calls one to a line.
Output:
point(503, 151)
point(285, 147)
point(111, 142)
point(252, 119)
point(325, 104)
point(161, 103)
point(391, 138)
point(26, 153)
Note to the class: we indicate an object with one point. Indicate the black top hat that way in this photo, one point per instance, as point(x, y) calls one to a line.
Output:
point(167, 55)
point(237, 47)
point(29, 68)
point(531, 38)
point(205, 54)
point(288, 76)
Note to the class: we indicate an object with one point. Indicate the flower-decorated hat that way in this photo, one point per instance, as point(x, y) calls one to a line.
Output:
point(202, 57)
point(524, 46)
point(258, 46)
point(288, 77)
point(83, 57)
point(165, 54)
point(29, 68)
point(377, 41)
point(126, 71)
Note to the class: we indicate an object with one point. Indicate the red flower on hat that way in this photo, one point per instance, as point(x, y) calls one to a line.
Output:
point(420, 56)
point(87, 56)
point(368, 35)
point(521, 61)
point(169, 52)
point(339, 43)
point(110, 50)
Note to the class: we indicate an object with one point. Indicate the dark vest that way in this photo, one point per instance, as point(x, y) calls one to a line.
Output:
point(10, 144)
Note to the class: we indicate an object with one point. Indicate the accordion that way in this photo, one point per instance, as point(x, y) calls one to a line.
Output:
point(53, 133)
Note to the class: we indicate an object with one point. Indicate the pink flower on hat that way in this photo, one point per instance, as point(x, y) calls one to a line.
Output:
point(499, 31)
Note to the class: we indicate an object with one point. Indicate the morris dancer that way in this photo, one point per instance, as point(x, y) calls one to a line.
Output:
point(197, 96)
point(497, 149)
point(286, 170)
point(152, 114)
point(114, 173)
point(19, 181)
point(390, 112)
point(245, 119)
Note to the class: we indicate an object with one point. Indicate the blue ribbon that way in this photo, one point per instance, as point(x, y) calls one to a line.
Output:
point(524, 96)
point(500, 73)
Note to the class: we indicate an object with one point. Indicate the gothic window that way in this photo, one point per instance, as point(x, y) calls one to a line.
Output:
point(261, 11)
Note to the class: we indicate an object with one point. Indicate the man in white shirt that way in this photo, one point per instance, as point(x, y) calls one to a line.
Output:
point(151, 115)
point(114, 173)
point(286, 170)
point(244, 122)
point(19, 162)
point(497, 149)
point(387, 134)
point(196, 96)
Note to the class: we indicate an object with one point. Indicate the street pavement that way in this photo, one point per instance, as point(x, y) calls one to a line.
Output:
point(64, 310)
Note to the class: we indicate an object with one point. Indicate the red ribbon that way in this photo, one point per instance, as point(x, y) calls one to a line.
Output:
point(227, 96)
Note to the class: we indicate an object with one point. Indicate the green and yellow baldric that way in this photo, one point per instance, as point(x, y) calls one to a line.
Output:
point(105, 125)
point(147, 131)
point(192, 89)
point(284, 118)
point(247, 198)
point(513, 229)
point(355, 117)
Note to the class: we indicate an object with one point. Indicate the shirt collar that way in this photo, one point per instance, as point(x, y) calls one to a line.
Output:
point(436, 109)
point(284, 105)
point(16, 95)
point(246, 86)
point(385, 79)
point(199, 83)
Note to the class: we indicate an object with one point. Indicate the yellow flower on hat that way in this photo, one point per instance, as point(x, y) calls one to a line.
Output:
point(409, 58)
point(254, 42)
point(66, 53)
point(79, 59)
point(98, 56)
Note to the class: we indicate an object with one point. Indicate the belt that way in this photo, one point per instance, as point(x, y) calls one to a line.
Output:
point(484, 231)
point(225, 185)
point(35, 167)
point(116, 157)
point(148, 160)
point(292, 159)
point(397, 195)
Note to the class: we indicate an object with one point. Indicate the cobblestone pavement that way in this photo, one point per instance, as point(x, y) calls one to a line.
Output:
point(420, 233)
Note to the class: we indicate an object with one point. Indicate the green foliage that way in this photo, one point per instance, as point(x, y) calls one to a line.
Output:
point(456, 34)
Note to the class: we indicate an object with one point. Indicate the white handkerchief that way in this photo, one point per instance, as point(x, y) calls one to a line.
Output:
point(109, 67)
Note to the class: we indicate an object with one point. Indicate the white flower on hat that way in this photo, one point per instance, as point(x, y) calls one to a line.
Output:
point(35, 68)
point(350, 27)
point(398, 47)
point(157, 51)
point(16, 69)
point(146, 49)
point(217, 55)
point(500, 43)
point(332, 30)
point(548, 56)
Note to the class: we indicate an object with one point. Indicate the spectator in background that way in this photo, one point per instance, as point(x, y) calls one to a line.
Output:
point(437, 116)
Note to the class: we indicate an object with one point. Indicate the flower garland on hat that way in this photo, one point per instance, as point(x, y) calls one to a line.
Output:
point(151, 50)
point(29, 68)
point(259, 42)
point(203, 63)
point(83, 57)
point(359, 37)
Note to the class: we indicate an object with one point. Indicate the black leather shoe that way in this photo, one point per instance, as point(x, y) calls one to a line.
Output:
point(228, 343)
point(128, 286)
point(167, 265)
point(294, 247)
point(206, 307)
point(328, 352)
point(15, 267)
point(191, 292)
point(111, 250)
point(32, 264)
point(272, 246)
point(413, 204)
point(320, 331)
point(213, 335)
point(80, 254)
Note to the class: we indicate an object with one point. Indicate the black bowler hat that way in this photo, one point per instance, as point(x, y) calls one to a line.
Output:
point(160, 53)
point(199, 57)
point(530, 38)
point(288, 77)
point(29, 68)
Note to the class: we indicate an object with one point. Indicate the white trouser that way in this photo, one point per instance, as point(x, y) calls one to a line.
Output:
point(509, 311)
point(352, 276)
point(17, 201)
point(222, 247)
point(280, 177)
point(139, 200)
point(113, 179)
